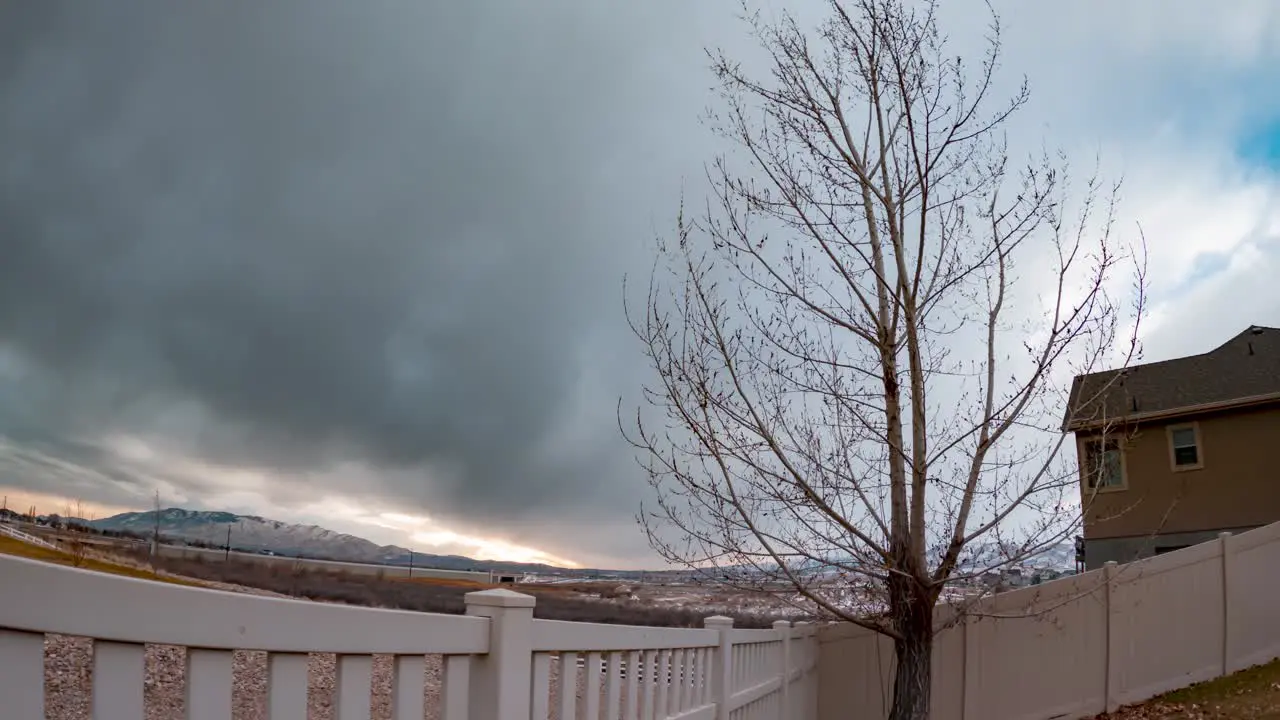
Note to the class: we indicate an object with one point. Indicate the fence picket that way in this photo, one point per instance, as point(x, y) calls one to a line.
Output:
point(613, 686)
point(540, 688)
point(354, 687)
point(455, 686)
point(568, 686)
point(679, 667)
point(592, 686)
point(22, 681)
point(650, 663)
point(706, 676)
point(408, 677)
point(287, 686)
point(632, 704)
point(699, 676)
point(209, 682)
point(663, 679)
point(119, 675)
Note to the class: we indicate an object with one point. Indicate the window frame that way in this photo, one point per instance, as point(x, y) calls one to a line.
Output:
point(1084, 450)
point(1194, 427)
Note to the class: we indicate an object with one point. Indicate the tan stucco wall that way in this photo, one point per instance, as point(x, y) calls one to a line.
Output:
point(1239, 485)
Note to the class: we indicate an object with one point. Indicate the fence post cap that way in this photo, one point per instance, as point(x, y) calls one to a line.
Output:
point(718, 622)
point(499, 598)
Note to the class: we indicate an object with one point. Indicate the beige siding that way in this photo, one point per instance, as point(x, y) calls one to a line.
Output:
point(1239, 485)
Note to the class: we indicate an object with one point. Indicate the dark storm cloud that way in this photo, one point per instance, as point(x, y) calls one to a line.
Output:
point(293, 234)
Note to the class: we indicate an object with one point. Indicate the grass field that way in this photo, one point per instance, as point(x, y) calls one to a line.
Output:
point(1252, 694)
point(10, 546)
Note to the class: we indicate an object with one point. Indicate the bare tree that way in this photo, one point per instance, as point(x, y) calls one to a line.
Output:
point(75, 530)
point(155, 532)
point(847, 405)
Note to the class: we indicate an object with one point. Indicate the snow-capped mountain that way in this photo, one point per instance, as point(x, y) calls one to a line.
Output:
point(248, 532)
point(255, 534)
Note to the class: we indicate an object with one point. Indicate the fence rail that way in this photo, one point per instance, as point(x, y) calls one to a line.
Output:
point(498, 662)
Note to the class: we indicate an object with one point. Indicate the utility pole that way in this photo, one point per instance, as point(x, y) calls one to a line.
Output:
point(155, 534)
point(410, 564)
point(227, 556)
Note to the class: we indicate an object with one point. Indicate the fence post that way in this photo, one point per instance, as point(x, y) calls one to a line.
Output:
point(783, 628)
point(809, 680)
point(722, 669)
point(500, 680)
point(1112, 685)
point(1224, 540)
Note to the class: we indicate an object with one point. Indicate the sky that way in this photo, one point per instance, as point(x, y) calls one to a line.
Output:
point(361, 264)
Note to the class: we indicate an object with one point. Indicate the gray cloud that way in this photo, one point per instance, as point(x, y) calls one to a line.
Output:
point(390, 233)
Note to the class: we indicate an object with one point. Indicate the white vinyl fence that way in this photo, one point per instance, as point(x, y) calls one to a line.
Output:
point(499, 663)
point(16, 534)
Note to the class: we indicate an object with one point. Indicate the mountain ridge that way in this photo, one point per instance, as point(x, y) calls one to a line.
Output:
point(255, 533)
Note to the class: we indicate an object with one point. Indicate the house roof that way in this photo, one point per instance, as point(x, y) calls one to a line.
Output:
point(1242, 370)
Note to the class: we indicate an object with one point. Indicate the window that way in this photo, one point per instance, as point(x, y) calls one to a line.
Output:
point(1104, 464)
point(1184, 447)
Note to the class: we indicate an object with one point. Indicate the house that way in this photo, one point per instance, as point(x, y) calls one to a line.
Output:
point(1173, 453)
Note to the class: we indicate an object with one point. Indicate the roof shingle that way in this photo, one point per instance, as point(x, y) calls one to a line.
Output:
point(1246, 366)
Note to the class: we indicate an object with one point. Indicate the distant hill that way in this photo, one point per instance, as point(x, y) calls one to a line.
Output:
point(256, 534)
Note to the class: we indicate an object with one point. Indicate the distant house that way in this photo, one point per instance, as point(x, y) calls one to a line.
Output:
point(1173, 453)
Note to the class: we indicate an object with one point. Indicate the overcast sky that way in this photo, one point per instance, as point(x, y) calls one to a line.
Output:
point(360, 264)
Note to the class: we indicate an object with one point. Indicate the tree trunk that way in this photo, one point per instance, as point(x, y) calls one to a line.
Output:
point(913, 680)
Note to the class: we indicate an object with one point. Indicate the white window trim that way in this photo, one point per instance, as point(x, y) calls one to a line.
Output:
point(1173, 460)
point(1083, 454)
